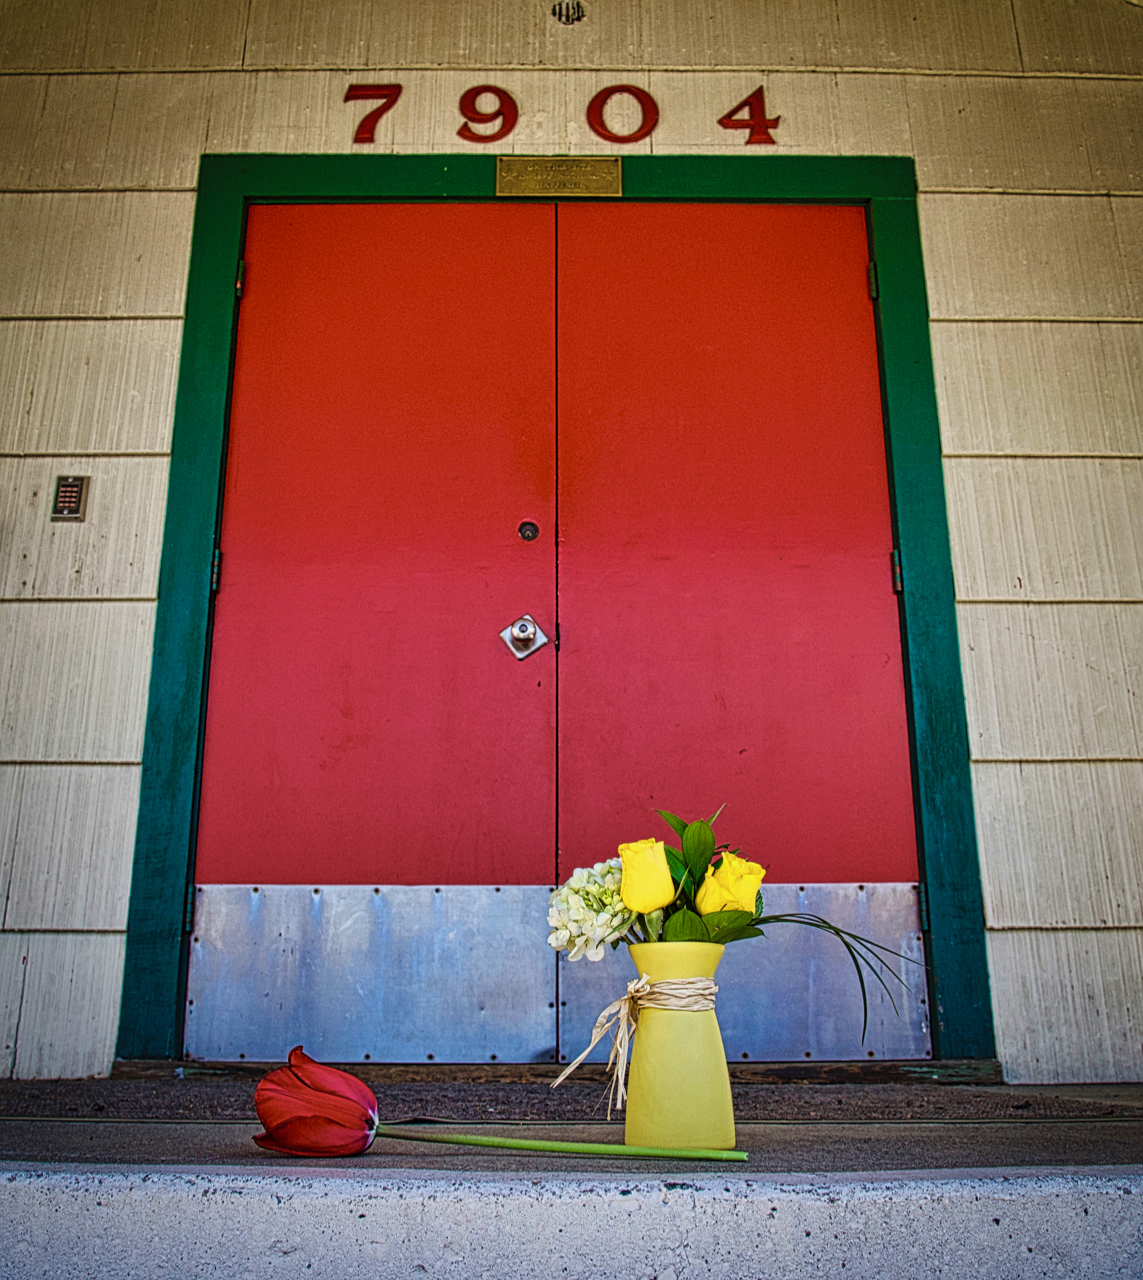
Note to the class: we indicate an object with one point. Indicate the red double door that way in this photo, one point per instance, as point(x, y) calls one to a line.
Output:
point(685, 400)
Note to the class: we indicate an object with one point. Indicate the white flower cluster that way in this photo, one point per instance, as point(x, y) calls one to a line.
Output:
point(587, 912)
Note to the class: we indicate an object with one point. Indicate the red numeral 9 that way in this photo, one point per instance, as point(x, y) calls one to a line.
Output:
point(507, 111)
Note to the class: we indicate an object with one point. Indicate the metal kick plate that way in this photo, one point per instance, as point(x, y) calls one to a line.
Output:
point(792, 995)
point(464, 974)
point(397, 973)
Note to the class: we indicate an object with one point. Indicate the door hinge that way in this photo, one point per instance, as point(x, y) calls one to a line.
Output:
point(216, 569)
point(240, 279)
point(898, 582)
point(188, 909)
point(923, 902)
point(873, 280)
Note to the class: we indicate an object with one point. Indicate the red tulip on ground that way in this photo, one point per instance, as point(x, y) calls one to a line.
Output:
point(308, 1109)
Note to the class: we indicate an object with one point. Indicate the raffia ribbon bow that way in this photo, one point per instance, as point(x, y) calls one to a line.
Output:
point(692, 995)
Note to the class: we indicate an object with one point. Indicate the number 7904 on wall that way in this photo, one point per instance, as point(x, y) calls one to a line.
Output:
point(748, 115)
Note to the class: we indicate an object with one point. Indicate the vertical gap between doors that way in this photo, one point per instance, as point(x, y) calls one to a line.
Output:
point(556, 554)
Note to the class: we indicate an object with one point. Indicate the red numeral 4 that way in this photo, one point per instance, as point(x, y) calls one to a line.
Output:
point(755, 120)
point(387, 94)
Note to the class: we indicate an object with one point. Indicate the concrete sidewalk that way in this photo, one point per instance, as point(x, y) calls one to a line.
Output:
point(143, 1221)
point(138, 1179)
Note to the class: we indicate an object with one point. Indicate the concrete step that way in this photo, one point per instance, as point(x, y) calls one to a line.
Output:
point(157, 1177)
point(303, 1221)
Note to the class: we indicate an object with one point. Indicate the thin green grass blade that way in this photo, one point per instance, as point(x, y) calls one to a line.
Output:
point(565, 1148)
point(861, 951)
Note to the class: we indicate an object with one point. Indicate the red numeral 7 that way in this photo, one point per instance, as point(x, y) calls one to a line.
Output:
point(755, 121)
point(386, 93)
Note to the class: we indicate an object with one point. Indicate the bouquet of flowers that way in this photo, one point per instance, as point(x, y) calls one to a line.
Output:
point(699, 891)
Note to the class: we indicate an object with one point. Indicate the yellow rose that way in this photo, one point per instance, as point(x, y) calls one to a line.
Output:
point(732, 887)
point(647, 883)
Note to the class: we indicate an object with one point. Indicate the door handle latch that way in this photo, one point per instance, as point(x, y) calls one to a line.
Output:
point(524, 637)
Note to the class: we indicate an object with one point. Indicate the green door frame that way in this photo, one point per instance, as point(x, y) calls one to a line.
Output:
point(161, 905)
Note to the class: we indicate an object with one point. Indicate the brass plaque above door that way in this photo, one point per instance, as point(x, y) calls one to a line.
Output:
point(558, 177)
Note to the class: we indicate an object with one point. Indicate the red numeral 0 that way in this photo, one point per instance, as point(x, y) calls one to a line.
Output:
point(508, 111)
point(649, 106)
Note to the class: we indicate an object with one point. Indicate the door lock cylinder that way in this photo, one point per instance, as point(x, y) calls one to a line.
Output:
point(523, 637)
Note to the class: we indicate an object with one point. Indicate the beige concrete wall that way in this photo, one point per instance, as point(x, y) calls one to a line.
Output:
point(1024, 119)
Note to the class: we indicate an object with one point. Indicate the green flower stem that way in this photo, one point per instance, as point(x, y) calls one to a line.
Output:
point(566, 1148)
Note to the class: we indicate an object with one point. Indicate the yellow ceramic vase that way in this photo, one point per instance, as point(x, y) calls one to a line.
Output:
point(678, 1087)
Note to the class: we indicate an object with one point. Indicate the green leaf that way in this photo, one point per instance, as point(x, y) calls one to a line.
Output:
point(726, 922)
point(685, 926)
point(677, 825)
point(758, 904)
point(723, 919)
point(698, 849)
point(653, 922)
point(675, 863)
point(748, 932)
point(710, 821)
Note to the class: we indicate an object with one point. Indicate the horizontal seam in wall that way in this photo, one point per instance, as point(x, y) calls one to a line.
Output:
point(1022, 760)
point(82, 932)
point(78, 599)
point(39, 319)
point(1064, 928)
point(85, 453)
point(1033, 319)
point(164, 316)
point(1128, 457)
point(1045, 600)
point(951, 73)
point(71, 318)
point(74, 764)
point(1098, 193)
point(151, 191)
point(1095, 192)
